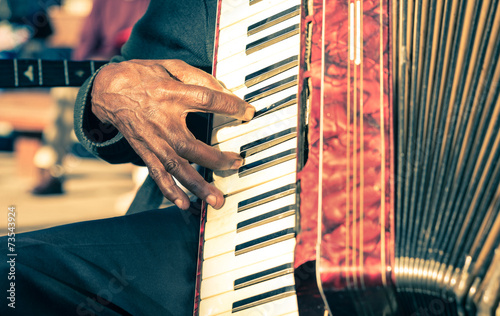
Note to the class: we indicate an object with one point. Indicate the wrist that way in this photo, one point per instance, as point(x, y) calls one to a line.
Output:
point(96, 110)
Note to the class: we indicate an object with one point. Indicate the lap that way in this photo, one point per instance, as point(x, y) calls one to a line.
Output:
point(143, 263)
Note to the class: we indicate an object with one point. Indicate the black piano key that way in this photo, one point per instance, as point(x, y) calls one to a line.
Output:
point(267, 197)
point(267, 142)
point(267, 162)
point(268, 217)
point(263, 276)
point(271, 89)
point(290, 100)
point(263, 298)
point(272, 39)
point(264, 241)
point(273, 20)
point(270, 71)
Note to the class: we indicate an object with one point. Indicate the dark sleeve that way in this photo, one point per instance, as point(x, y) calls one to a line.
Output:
point(169, 30)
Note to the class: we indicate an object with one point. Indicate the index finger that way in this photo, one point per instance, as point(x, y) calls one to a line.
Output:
point(208, 94)
point(228, 104)
point(191, 75)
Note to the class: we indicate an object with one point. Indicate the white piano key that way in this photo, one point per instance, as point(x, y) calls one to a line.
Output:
point(232, 184)
point(271, 71)
point(284, 306)
point(219, 245)
point(237, 61)
point(261, 144)
point(224, 302)
point(266, 163)
point(267, 101)
point(273, 19)
point(259, 105)
point(231, 202)
point(235, 11)
point(227, 242)
point(258, 128)
point(263, 275)
point(263, 298)
point(217, 285)
point(225, 282)
point(238, 44)
point(273, 215)
point(263, 230)
point(240, 63)
point(237, 176)
point(239, 29)
point(270, 239)
point(289, 144)
point(227, 223)
point(234, 144)
point(221, 225)
point(267, 197)
point(242, 92)
point(236, 79)
point(273, 39)
point(263, 208)
point(229, 261)
point(230, 181)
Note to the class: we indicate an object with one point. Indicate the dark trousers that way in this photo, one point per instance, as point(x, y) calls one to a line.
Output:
point(139, 264)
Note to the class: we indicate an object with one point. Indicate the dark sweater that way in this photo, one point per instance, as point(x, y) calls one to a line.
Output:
point(169, 30)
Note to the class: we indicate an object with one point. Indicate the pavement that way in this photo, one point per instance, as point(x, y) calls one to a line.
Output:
point(94, 190)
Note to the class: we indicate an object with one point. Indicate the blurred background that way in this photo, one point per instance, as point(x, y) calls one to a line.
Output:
point(44, 172)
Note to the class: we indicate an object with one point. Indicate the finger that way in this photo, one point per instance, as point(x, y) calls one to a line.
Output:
point(202, 99)
point(194, 182)
point(222, 84)
point(168, 187)
point(201, 91)
point(187, 147)
point(163, 179)
point(191, 75)
point(188, 176)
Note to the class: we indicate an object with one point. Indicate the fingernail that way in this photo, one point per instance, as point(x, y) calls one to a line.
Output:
point(212, 200)
point(179, 203)
point(237, 164)
point(249, 113)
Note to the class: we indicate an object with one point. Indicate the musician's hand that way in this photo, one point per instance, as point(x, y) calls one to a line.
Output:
point(148, 100)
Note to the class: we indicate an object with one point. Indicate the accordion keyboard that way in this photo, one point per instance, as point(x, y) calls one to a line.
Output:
point(249, 244)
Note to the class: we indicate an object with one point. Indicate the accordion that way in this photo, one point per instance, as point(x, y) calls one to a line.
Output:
point(371, 176)
point(371, 183)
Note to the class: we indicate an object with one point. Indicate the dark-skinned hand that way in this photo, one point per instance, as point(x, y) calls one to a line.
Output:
point(147, 101)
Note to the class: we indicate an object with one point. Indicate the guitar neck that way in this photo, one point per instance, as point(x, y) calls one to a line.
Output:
point(26, 73)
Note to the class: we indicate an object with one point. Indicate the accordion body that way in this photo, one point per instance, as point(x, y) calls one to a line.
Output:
point(395, 162)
